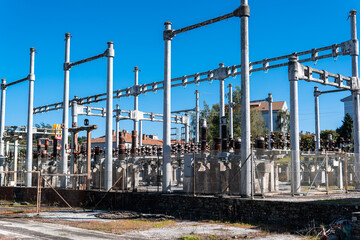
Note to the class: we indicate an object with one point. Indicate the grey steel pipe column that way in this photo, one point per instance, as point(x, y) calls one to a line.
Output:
point(245, 188)
point(317, 120)
point(65, 124)
point(294, 126)
point(222, 102)
point(136, 105)
point(117, 126)
point(231, 114)
point(166, 185)
point(355, 94)
point(29, 141)
point(74, 117)
point(2, 130)
point(109, 117)
point(186, 130)
point(271, 125)
point(140, 133)
point(16, 154)
point(197, 116)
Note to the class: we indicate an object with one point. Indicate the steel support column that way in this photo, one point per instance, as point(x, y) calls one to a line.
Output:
point(355, 94)
point(109, 118)
point(317, 120)
point(136, 105)
point(294, 126)
point(197, 115)
point(2, 130)
point(117, 123)
point(222, 102)
point(166, 186)
point(29, 141)
point(270, 117)
point(231, 114)
point(65, 126)
point(245, 189)
point(16, 154)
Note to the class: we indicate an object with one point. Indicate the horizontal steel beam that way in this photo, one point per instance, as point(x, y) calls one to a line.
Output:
point(16, 82)
point(344, 48)
point(332, 91)
point(204, 23)
point(86, 60)
point(186, 110)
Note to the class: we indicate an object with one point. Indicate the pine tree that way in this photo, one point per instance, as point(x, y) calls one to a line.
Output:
point(345, 131)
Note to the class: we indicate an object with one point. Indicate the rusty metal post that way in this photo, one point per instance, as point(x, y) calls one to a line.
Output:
point(65, 133)
point(133, 143)
point(166, 186)
point(140, 134)
point(122, 147)
point(74, 116)
point(88, 160)
point(109, 118)
point(29, 142)
point(245, 189)
point(2, 130)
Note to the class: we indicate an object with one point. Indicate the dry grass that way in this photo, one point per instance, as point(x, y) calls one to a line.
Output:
point(121, 226)
point(229, 224)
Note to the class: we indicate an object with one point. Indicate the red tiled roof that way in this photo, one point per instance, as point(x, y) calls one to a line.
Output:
point(264, 106)
point(146, 140)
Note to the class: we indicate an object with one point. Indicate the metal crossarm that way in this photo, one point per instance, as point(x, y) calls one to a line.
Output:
point(16, 82)
point(335, 50)
point(323, 77)
point(87, 60)
point(204, 23)
point(331, 91)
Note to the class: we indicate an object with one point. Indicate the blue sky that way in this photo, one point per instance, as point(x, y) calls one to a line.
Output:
point(276, 28)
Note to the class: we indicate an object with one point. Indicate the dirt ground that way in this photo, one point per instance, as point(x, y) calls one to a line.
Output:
point(19, 221)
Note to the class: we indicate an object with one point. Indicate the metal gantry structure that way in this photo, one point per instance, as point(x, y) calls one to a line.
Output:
point(109, 53)
point(293, 61)
point(317, 94)
point(4, 86)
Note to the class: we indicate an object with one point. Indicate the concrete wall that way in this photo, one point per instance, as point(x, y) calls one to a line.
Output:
point(288, 214)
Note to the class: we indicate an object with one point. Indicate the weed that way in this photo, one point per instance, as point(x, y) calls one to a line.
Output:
point(190, 238)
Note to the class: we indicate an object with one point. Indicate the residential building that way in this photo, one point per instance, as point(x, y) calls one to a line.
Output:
point(263, 107)
point(146, 140)
point(348, 105)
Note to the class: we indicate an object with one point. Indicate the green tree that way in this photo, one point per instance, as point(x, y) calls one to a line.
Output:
point(306, 142)
point(258, 124)
point(324, 135)
point(346, 129)
point(283, 120)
